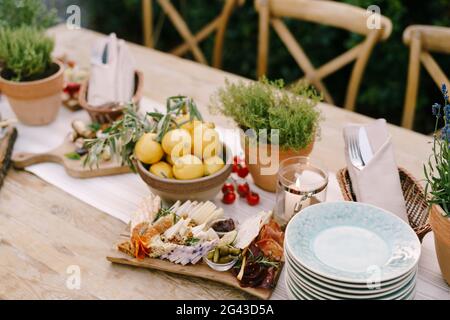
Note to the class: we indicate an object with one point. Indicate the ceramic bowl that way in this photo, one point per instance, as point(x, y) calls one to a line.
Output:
point(201, 189)
point(222, 267)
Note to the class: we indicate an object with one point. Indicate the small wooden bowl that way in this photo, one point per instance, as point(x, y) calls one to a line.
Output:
point(109, 112)
point(172, 190)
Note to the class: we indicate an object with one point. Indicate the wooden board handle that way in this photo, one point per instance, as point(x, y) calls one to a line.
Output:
point(22, 160)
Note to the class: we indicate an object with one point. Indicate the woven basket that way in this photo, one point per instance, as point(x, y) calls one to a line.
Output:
point(110, 111)
point(416, 205)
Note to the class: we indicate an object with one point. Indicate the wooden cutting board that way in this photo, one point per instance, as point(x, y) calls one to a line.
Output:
point(74, 168)
point(200, 270)
point(6, 147)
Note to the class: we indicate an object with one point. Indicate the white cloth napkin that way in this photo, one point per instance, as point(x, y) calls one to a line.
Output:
point(112, 72)
point(378, 183)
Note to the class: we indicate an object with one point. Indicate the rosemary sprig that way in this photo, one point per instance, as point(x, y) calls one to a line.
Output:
point(263, 260)
point(121, 137)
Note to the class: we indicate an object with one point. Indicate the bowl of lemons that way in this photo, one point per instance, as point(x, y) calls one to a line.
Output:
point(190, 163)
point(177, 154)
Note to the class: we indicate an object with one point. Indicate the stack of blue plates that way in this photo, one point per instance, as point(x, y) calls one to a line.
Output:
point(348, 250)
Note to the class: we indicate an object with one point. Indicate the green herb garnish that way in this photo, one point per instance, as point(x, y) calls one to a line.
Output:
point(191, 241)
point(94, 126)
point(162, 213)
point(73, 156)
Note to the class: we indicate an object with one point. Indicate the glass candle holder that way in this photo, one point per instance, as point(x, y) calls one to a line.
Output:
point(301, 183)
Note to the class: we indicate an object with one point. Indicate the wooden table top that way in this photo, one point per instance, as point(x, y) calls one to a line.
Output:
point(43, 230)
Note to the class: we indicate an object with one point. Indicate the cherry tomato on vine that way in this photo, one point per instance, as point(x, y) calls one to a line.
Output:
point(243, 189)
point(229, 198)
point(242, 171)
point(253, 199)
point(228, 187)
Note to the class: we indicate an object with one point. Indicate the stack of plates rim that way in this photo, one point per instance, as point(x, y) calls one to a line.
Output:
point(350, 250)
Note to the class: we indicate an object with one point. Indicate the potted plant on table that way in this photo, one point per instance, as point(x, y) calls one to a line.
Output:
point(30, 79)
point(260, 107)
point(437, 174)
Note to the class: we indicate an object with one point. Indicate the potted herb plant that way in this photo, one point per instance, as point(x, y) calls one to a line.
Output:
point(437, 174)
point(30, 79)
point(266, 105)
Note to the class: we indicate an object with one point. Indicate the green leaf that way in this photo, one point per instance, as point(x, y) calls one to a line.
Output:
point(73, 156)
point(94, 126)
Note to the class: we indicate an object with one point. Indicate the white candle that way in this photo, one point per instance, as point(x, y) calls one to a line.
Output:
point(306, 181)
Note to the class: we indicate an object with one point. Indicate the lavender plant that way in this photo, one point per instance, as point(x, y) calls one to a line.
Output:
point(437, 170)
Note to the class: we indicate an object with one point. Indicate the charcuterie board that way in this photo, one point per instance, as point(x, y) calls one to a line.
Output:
point(200, 270)
point(196, 239)
point(74, 168)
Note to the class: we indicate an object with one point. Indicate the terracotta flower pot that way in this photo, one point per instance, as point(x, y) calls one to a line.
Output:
point(441, 230)
point(35, 103)
point(265, 181)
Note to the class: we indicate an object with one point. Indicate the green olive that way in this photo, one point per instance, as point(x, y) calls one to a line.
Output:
point(234, 251)
point(210, 255)
point(224, 251)
point(226, 259)
point(216, 255)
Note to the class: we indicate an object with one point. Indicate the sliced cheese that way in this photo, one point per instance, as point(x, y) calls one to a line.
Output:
point(197, 229)
point(249, 229)
point(212, 235)
point(173, 230)
point(217, 214)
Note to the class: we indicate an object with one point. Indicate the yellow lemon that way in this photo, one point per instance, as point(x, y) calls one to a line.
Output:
point(177, 143)
point(205, 142)
point(184, 122)
point(162, 169)
point(169, 159)
point(147, 150)
point(188, 167)
point(212, 165)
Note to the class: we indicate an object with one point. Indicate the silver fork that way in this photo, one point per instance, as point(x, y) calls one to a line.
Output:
point(354, 151)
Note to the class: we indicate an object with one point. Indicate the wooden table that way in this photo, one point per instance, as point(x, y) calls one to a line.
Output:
point(43, 230)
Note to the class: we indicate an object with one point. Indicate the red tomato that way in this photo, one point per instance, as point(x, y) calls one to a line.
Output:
point(236, 160)
point(229, 198)
point(227, 187)
point(252, 199)
point(72, 88)
point(235, 168)
point(242, 171)
point(243, 189)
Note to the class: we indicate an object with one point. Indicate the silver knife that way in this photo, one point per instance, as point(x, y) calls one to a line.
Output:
point(364, 143)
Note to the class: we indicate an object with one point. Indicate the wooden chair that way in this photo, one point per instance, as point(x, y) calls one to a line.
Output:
point(422, 40)
point(335, 14)
point(191, 41)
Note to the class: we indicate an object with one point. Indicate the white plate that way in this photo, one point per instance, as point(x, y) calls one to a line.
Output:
point(320, 293)
point(299, 294)
point(347, 287)
point(352, 242)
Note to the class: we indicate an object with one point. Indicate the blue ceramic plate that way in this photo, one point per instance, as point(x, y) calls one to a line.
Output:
point(352, 242)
